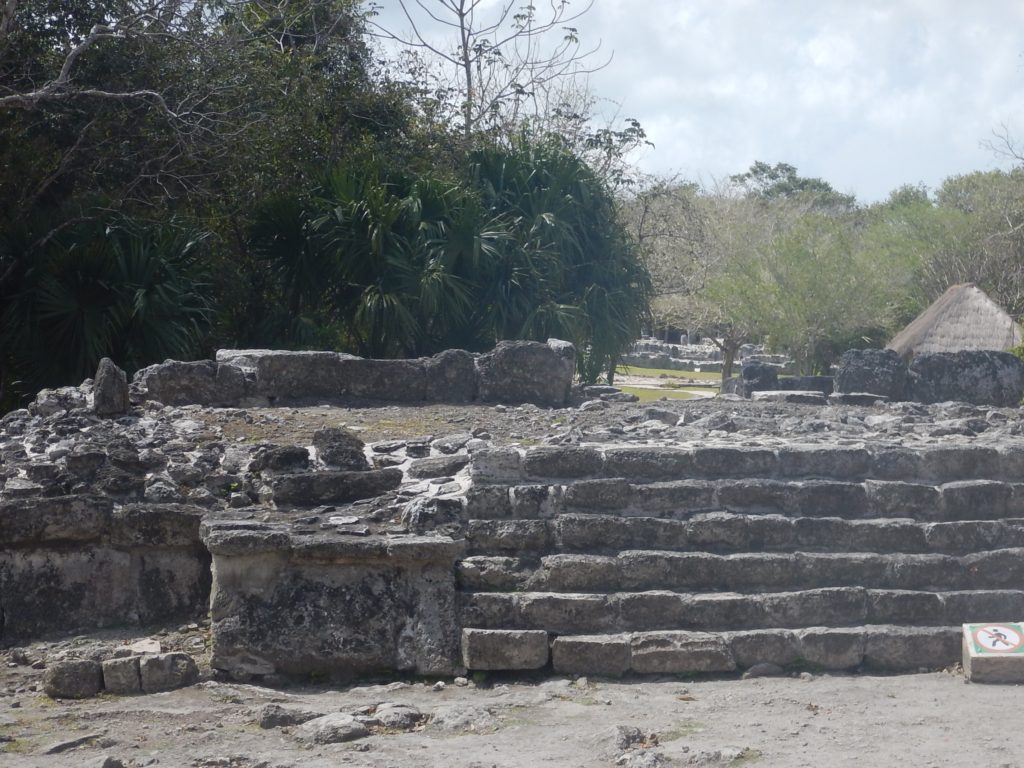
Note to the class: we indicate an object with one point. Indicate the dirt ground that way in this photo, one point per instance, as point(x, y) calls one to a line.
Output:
point(933, 719)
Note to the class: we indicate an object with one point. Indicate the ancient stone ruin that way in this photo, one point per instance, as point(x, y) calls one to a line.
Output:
point(677, 538)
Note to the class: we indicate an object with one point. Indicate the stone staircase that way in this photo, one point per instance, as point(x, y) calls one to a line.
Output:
point(677, 560)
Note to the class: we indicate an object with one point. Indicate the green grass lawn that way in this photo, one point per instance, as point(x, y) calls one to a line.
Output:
point(647, 395)
point(654, 373)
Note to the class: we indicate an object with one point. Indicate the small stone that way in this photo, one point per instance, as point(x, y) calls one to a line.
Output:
point(462, 682)
point(334, 728)
point(439, 685)
point(276, 716)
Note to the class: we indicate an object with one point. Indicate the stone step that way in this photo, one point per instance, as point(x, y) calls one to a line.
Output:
point(638, 570)
point(723, 532)
point(890, 648)
point(841, 462)
point(585, 613)
point(950, 501)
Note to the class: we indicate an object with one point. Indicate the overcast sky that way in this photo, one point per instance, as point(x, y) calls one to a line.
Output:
point(866, 94)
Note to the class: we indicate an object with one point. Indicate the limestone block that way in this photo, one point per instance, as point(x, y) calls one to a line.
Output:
point(336, 606)
point(122, 675)
point(763, 646)
point(557, 461)
point(908, 649)
point(981, 377)
point(167, 671)
point(735, 462)
point(484, 649)
point(568, 614)
point(877, 371)
point(838, 462)
point(333, 486)
point(201, 382)
point(679, 653)
point(451, 377)
point(73, 679)
point(438, 466)
point(527, 372)
point(496, 465)
point(649, 610)
point(604, 655)
point(110, 389)
point(609, 494)
point(838, 648)
point(649, 463)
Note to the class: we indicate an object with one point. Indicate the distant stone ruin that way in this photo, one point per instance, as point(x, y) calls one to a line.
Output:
point(868, 375)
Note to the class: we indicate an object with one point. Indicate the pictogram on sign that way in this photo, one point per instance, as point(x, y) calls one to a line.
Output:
point(997, 638)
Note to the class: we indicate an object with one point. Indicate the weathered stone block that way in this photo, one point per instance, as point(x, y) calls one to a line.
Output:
point(813, 461)
point(982, 377)
point(450, 377)
point(557, 462)
point(496, 465)
point(679, 653)
point(110, 389)
point(167, 671)
point(122, 676)
point(334, 486)
point(908, 649)
point(340, 448)
point(565, 614)
point(763, 646)
point(646, 463)
point(878, 371)
point(896, 499)
point(438, 466)
point(73, 679)
point(527, 372)
point(484, 649)
point(894, 606)
point(837, 606)
point(975, 500)
point(601, 655)
point(735, 462)
point(341, 607)
point(493, 536)
point(649, 610)
point(599, 495)
point(838, 648)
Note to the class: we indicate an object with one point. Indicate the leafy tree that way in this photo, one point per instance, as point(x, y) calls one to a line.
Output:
point(120, 289)
point(782, 182)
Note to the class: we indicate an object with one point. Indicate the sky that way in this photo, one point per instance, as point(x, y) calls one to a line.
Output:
point(866, 94)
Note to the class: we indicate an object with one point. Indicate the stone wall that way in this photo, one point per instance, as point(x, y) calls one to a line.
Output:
point(76, 562)
point(314, 604)
point(513, 372)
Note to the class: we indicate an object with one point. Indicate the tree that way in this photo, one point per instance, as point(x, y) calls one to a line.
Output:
point(782, 182)
point(492, 63)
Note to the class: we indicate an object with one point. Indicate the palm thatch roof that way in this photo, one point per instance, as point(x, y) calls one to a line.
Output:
point(962, 318)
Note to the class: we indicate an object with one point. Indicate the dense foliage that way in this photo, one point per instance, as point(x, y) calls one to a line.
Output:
point(776, 258)
point(176, 177)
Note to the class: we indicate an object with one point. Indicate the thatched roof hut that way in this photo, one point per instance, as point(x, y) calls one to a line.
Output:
point(962, 318)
